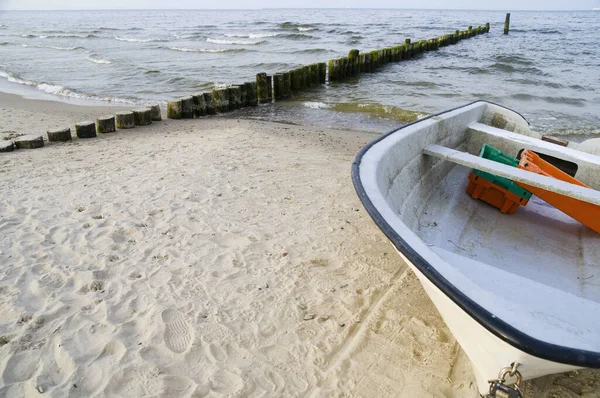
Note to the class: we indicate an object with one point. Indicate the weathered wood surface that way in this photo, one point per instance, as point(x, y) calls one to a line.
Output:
point(156, 115)
point(105, 124)
point(142, 117)
point(85, 129)
point(30, 141)
point(125, 120)
point(7, 146)
point(173, 110)
point(59, 135)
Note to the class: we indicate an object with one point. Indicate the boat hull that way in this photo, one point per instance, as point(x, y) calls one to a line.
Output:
point(488, 354)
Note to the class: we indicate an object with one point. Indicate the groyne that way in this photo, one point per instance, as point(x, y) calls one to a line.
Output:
point(263, 89)
point(282, 85)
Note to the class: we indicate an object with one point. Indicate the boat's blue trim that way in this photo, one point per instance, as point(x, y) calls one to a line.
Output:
point(501, 329)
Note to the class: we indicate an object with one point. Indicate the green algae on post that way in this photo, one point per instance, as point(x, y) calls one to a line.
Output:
point(287, 85)
point(314, 74)
point(173, 112)
point(221, 100)
point(507, 23)
point(278, 86)
point(142, 116)
point(234, 95)
point(125, 120)
point(322, 72)
point(187, 107)
point(60, 135)
point(199, 105)
point(105, 124)
point(210, 105)
point(262, 88)
point(155, 108)
point(252, 94)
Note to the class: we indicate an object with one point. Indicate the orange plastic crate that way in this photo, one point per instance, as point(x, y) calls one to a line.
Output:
point(586, 213)
point(500, 198)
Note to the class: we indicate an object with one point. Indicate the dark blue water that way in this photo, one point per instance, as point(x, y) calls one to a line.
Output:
point(548, 68)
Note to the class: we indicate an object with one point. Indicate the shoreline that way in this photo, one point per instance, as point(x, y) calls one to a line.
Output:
point(209, 257)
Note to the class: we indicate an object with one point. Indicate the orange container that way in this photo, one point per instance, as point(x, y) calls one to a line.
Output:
point(500, 198)
point(586, 213)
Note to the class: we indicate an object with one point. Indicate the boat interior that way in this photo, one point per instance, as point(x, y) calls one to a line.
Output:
point(537, 269)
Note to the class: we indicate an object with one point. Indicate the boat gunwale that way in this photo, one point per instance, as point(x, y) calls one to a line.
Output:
point(499, 328)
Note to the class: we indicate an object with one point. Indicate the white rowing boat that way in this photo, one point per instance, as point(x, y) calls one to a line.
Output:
point(521, 289)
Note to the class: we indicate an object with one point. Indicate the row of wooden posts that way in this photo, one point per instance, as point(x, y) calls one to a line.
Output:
point(88, 129)
point(283, 85)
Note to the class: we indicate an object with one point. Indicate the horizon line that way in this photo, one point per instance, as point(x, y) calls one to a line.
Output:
point(297, 8)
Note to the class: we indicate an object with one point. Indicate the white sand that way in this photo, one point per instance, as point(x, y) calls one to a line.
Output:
point(209, 258)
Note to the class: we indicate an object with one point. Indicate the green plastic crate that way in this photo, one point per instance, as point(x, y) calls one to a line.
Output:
point(491, 153)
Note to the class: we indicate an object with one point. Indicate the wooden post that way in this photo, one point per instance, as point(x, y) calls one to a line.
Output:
point(262, 88)
point(408, 48)
point(252, 95)
point(105, 124)
point(353, 58)
point(314, 74)
point(173, 112)
point(322, 72)
point(507, 23)
point(155, 108)
point(142, 116)
point(470, 30)
point(60, 135)
point(187, 107)
point(85, 129)
point(125, 120)
point(270, 88)
point(487, 27)
point(301, 78)
point(374, 60)
point(243, 95)
point(332, 76)
point(368, 63)
point(234, 94)
point(7, 146)
point(31, 141)
point(287, 85)
point(221, 100)
point(199, 106)
point(307, 76)
point(210, 104)
point(278, 86)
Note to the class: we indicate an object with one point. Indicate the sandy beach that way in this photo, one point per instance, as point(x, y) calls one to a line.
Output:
point(215, 257)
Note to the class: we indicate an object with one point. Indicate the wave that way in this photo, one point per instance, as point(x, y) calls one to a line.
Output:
point(298, 36)
point(549, 99)
point(54, 47)
point(234, 42)
point(316, 105)
point(252, 35)
point(151, 72)
point(205, 50)
point(306, 29)
point(97, 60)
point(59, 36)
point(379, 110)
point(61, 90)
point(513, 59)
point(193, 36)
point(312, 51)
point(296, 26)
point(134, 40)
point(4, 43)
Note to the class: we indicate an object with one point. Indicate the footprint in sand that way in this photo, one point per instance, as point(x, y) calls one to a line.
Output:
point(178, 334)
